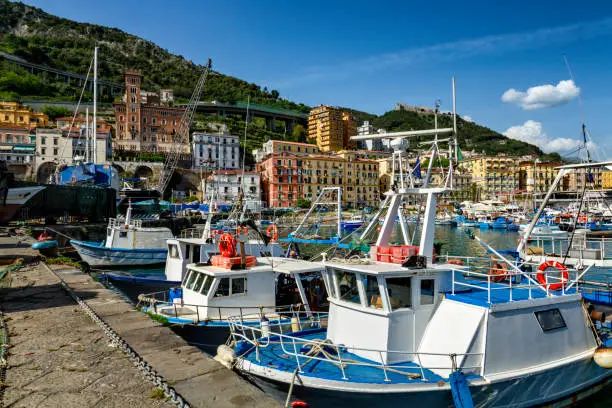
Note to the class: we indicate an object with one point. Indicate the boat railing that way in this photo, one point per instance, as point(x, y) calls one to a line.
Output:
point(192, 233)
point(305, 350)
point(157, 302)
point(581, 247)
point(511, 280)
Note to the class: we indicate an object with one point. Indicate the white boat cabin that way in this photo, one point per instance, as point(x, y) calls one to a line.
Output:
point(184, 251)
point(131, 235)
point(219, 293)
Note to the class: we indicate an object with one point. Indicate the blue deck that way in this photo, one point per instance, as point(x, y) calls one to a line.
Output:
point(500, 293)
point(275, 357)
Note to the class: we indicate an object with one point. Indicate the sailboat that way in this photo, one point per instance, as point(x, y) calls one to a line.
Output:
point(85, 170)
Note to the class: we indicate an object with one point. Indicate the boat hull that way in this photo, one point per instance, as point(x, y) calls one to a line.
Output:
point(96, 255)
point(134, 285)
point(559, 387)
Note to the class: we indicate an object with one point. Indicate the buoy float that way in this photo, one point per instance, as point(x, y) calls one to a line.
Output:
point(272, 232)
point(497, 272)
point(542, 277)
point(295, 325)
point(265, 327)
point(603, 357)
point(225, 355)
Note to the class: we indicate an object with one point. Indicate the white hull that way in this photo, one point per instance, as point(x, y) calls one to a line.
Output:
point(102, 256)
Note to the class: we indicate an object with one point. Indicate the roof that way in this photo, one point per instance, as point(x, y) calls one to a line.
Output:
point(384, 268)
point(293, 143)
point(233, 171)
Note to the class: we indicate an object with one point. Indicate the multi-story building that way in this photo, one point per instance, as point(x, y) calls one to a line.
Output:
point(18, 149)
point(15, 114)
point(493, 175)
point(606, 179)
point(225, 186)
point(537, 177)
point(287, 177)
point(143, 126)
point(331, 128)
point(218, 150)
point(77, 135)
point(590, 177)
point(279, 146)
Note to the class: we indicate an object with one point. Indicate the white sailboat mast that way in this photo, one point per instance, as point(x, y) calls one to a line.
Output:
point(86, 135)
point(95, 106)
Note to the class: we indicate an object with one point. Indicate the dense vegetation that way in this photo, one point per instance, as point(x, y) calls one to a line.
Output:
point(470, 135)
point(44, 39)
point(36, 36)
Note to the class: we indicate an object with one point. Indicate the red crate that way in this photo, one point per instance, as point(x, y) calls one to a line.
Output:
point(228, 263)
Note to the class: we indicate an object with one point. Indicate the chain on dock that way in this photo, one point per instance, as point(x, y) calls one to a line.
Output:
point(148, 371)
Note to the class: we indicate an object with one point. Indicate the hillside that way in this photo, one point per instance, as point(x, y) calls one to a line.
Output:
point(41, 38)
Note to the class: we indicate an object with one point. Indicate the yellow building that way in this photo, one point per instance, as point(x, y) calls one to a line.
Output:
point(12, 113)
point(331, 128)
point(606, 179)
point(493, 175)
point(536, 176)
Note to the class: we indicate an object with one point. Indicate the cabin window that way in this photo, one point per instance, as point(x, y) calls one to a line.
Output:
point(427, 291)
point(173, 251)
point(400, 292)
point(224, 288)
point(187, 250)
point(206, 286)
point(372, 292)
point(122, 234)
point(550, 319)
point(239, 286)
point(192, 277)
point(330, 284)
point(198, 282)
point(347, 285)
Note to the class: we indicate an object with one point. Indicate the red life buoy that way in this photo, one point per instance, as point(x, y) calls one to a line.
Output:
point(272, 232)
point(227, 245)
point(498, 272)
point(541, 276)
point(299, 404)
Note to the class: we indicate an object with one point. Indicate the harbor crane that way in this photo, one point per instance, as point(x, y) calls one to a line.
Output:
point(182, 135)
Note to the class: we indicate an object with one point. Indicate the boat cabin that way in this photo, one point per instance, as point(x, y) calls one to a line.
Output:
point(218, 293)
point(393, 302)
point(131, 235)
point(185, 251)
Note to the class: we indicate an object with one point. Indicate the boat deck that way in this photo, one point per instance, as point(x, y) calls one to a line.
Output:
point(500, 293)
point(356, 369)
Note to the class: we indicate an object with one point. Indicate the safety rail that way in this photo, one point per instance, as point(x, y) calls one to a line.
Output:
point(115, 222)
point(150, 303)
point(586, 248)
point(502, 278)
point(263, 337)
point(197, 233)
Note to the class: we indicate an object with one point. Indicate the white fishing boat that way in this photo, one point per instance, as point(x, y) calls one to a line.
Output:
point(405, 331)
point(127, 243)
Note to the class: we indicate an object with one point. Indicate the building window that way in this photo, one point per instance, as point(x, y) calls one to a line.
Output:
point(55, 141)
point(43, 151)
point(133, 118)
point(55, 151)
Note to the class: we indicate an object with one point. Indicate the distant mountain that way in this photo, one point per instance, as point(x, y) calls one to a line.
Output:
point(39, 37)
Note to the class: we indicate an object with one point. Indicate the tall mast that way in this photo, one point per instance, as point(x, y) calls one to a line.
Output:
point(86, 135)
point(455, 122)
point(95, 106)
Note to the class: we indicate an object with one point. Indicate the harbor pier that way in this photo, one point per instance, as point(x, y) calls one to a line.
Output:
point(73, 342)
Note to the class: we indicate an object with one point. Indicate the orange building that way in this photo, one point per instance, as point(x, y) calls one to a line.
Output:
point(331, 128)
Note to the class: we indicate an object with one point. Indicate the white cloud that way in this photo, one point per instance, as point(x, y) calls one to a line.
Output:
point(542, 96)
point(467, 118)
point(533, 132)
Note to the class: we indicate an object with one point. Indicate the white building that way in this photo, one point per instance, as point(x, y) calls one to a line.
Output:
point(215, 151)
point(225, 186)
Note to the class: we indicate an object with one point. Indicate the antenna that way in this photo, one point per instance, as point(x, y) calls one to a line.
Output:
point(455, 120)
point(584, 131)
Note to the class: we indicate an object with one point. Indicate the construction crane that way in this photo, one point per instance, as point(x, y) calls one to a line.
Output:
point(182, 135)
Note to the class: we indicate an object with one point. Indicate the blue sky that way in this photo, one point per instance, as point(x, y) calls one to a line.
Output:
point(369, 55)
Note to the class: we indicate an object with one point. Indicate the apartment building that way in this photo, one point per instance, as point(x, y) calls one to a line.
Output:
point(215, 150)
point(331, 128)
point(279, 146)
point(15, 114)
point(493, 175)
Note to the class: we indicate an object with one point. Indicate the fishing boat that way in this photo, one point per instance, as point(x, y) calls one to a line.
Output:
point(355, 222)
point(127, 243)
point(403, 330)
point(258, 289)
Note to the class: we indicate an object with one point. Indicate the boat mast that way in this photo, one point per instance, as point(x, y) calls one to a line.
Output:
point(87, 135)
point(95, 99)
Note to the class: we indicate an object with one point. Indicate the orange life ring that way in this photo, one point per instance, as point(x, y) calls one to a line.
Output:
point(542, 277)
point(582, 218)
point(498, 272)
point(227, 245)
point(272, 232)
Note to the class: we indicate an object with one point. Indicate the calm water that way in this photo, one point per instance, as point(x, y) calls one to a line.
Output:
point(457, 242)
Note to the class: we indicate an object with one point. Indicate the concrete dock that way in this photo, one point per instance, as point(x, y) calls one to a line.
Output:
point(60, 356)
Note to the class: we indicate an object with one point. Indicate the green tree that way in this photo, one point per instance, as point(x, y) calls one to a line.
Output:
point(55, 112)
point(303, 203)
point(299, 133)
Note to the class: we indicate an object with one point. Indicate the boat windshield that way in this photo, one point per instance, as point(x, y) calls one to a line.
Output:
point(347, 285)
